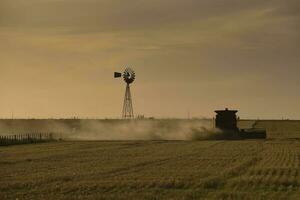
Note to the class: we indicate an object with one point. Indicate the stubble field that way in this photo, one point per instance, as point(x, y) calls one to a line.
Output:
point(151, 170)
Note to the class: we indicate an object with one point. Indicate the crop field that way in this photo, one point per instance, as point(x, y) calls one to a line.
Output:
point(260, 169)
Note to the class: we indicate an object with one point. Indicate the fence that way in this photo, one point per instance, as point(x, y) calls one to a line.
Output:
point(26, 138)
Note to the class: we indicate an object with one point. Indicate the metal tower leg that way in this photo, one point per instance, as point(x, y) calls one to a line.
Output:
point(127, 105)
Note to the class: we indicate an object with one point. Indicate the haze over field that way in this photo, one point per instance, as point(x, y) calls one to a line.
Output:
point(73, 129)
point(57, 57)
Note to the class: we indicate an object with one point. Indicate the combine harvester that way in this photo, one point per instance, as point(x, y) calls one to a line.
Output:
point(226, 120)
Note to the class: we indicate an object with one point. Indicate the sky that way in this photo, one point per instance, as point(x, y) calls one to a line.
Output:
point(191, 57)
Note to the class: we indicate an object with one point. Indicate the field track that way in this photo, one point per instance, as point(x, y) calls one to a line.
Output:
point(151, 170)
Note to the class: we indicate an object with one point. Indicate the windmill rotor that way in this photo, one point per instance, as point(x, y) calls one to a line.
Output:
point(129, 75)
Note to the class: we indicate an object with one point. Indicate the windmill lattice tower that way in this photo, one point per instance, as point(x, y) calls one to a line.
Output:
point(129, 77)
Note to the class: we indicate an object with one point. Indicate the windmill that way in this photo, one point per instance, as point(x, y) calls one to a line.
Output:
point(129, 77)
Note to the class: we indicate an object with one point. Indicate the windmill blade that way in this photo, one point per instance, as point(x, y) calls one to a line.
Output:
point(129, 75)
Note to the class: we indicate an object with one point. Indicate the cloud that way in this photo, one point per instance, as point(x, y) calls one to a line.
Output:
point(58, 48)
point(116, 15)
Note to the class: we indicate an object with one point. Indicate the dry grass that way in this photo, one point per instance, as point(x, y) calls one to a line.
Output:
point(151, 170)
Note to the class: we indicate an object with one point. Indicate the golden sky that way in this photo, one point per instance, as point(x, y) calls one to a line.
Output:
point(57, 57)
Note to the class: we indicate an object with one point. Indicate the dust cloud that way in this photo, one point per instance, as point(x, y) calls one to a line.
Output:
point(144, 130)
point(89, 129)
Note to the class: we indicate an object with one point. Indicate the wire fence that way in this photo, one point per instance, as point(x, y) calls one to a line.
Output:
point(27, 138)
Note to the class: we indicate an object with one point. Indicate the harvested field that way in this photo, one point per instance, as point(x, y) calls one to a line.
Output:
point(151, 170)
